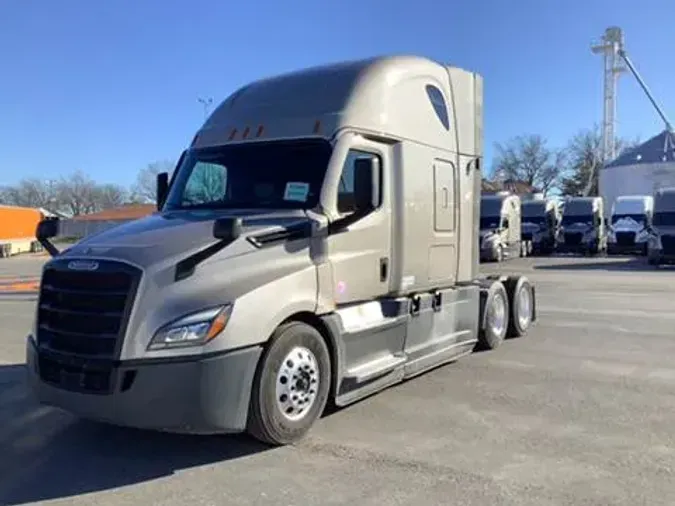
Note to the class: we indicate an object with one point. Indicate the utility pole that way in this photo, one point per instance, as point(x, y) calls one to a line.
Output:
point(206, 103)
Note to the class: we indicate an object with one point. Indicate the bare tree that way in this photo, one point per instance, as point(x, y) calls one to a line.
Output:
point(74, 194)
point(110, 196)
point(585, 160)
point(528, 159)
point(79, 193)
point(31, 192)
point(145, 187)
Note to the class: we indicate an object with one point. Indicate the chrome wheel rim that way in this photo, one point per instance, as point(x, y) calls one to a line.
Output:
point(498, 315)
point(297, 383)
point(524, 307)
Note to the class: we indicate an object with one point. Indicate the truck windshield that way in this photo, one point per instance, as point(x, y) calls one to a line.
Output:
point(489, 222)
point(640, 218)
point(664, 219)
point(537, 220)
point(578, 218)
point(272, 175)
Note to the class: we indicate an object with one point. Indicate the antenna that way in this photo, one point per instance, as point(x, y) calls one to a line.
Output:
point(206, 103)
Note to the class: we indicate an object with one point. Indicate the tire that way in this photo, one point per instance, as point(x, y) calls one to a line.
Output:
point(296, 358)
point(496, 325)
point(499, 254)
point(521, 303)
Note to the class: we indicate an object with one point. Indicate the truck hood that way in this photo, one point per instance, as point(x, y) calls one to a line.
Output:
point(171, 236)
point(531, 227)
point(484, 234)
point(665, 230)
point(627, 225)
point(577, 227)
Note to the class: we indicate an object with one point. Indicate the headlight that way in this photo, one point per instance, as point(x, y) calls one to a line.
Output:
point(195, 329)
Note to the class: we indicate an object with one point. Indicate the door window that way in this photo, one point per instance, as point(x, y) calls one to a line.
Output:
point(345, 198)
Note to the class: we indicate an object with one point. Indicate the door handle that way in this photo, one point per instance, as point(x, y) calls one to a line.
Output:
point(384, 268)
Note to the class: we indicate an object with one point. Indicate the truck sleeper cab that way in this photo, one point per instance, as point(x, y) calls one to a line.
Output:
point(541, 225)
point(583, 226)
point(500, 236)
point(308, 248)
point(661, 249)
point(631, 221)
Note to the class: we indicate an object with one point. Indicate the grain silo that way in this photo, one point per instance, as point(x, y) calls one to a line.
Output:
point(641, 170)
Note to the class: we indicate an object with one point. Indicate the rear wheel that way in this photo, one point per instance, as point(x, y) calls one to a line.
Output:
point(521, 297)
point(496, 313)
point(291, 385)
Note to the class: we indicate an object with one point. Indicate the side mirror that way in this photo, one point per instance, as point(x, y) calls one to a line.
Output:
point(162, 188)
point(47, 229)
point(366, 184)
point(227, 229)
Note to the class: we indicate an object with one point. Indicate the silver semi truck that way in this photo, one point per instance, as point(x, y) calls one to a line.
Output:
point(499, 234)
point(661, 248)
point(583, 226)
point(541, 225)
point(631, 220)
point(316, 243)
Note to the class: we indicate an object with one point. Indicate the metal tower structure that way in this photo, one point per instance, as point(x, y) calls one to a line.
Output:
point(611, 47)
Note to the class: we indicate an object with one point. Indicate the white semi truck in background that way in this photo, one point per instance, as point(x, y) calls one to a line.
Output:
point(630, 223)
point(583, 226)
point(500, 234)
point(540, 224)
point(317, 243)
point(662, 233)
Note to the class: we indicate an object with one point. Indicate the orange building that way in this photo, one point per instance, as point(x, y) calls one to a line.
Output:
point(17, 229)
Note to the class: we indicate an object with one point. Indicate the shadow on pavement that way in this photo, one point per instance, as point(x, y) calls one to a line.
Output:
point(602, 264)
point(46, 454)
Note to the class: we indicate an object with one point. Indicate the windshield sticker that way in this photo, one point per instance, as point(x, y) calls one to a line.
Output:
point(296, 191)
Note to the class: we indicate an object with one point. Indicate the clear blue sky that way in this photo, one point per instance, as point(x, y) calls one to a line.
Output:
point(109, 86)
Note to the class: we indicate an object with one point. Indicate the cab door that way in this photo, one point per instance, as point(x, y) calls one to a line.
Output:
point(360, 255)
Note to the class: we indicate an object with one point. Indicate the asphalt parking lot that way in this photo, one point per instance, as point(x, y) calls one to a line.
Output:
point(579, 412)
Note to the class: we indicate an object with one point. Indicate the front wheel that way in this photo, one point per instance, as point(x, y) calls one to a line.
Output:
point(291, 385)
point(499, 254)
point(653, 260)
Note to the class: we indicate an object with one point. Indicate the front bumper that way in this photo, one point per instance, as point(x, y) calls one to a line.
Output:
point(662, 258)
point(204, 395)
point(618, 248)
point(582, 247)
